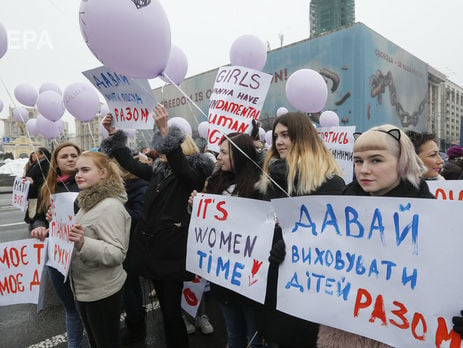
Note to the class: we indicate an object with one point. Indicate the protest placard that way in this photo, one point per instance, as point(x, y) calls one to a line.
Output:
point(129, 100)
point(451, 190)
point(21, 266)
point(20, 192)
point(63, 217)
point(192, 295)
point(229, 240)
point(381, 267)
point(340, 141)
point(237, 99)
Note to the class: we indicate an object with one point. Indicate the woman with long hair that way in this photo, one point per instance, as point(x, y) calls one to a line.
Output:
point(60, 178)
point(101, 238)
point(299, 164)
point(161, 234)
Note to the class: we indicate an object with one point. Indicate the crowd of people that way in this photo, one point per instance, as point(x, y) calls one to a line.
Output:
point(133, 212)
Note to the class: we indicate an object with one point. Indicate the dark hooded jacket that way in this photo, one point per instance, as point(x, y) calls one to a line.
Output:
point(163, 228)
point(404, 189)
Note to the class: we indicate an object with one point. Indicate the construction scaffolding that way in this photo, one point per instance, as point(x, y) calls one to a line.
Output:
point(329, 15)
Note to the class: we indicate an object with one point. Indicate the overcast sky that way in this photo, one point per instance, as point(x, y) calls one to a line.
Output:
point(46, 45)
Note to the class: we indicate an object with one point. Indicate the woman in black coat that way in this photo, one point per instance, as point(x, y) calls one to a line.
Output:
point(162, 231)
point(298, 164)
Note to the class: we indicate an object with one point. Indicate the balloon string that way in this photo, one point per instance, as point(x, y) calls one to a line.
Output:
point(226, 136)
point(91, 134)
point(187, 97)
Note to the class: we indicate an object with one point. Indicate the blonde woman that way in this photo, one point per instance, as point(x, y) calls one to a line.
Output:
point(299, 165)
point(101, 238)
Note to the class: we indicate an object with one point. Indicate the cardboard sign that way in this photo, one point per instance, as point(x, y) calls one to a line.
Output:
point(451, 190)
point(229, 241)
point(192, 295)
point(63, 217)
point(381, 267)
point(237, 98)
point(20, 192)
point(129, 100)
point(21, 266)
point(340, 141)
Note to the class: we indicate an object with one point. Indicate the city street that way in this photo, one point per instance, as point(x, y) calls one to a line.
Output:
point(21, 326)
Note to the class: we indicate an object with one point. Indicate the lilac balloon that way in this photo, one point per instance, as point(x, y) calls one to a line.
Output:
point(46, 127)
point(31, 126)
point(248, 51)
point(26, 94)
point(176, 67)
point(3, 40)
point(1, 105)
point(50, 86)
point(281, 111)
point(20, 114)
point(329, 119)
point(306, 90)
point(268, 137)
point(60, 125)
point(81, 100)
point(131, 37)
point(181, 123)
point(203, 129)
point(261, 134)
point(50, 105)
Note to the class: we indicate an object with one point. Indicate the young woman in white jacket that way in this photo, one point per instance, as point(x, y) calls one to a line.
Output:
point(101, 237)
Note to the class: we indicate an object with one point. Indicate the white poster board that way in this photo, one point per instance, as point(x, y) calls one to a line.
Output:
point(229, 240)
point(237, 98)
point(21, 266)
point(381, 267)
point(192, 295)
point(130, 100)
point(340, 141)
point(451, 190)
point(19, 193)
point(59, 246)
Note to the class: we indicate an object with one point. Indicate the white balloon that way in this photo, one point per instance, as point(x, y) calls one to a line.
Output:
point(261, 134)
point(268, 137)
point(203, 129)
point(281, 111)
point(329, 119)
point(181, 123)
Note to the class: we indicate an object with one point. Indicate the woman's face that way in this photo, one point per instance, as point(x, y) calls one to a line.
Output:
point(225, 157)
point(429, 154)
point(283, 142)
point(377, 171)
point(66, 160)
point(88, 174)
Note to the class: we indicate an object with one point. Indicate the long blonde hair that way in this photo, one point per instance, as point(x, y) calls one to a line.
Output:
point(309, 162)
point(49, 187)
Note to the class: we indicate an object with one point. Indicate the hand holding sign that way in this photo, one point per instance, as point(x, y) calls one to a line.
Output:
point(76, 235)
point(40, 233)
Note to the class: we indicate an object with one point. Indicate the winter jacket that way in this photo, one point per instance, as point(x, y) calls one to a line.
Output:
point(278, 327)
point(96, 269)
point(37, 172)
point(166, 199)
point(330, 337)
point(68, 185)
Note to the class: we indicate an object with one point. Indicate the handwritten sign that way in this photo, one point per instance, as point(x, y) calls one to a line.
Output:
point(237, 99)
point(381, 267)
point(63, 217)
point(21, 266)
point(192, 294)
point(229, 240)
point(340, 141)
point(129, 100)
point(446, 190)
point(19, 193)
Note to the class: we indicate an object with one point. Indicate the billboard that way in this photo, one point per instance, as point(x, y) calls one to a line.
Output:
point(371, 81)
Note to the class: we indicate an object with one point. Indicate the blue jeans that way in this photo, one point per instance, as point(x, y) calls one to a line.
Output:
point(74, 325)
point(240, 322)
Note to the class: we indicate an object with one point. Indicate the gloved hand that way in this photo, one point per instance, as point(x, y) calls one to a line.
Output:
point(277, 254)
point(458, 324)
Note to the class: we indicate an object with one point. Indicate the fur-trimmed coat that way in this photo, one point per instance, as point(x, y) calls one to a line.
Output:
point(96, 270)
point(166, 199)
